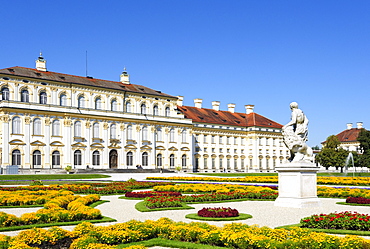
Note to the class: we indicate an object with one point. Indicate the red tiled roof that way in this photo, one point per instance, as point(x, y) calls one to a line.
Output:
point(73, 79)
point(210, 116)
point(349, 135)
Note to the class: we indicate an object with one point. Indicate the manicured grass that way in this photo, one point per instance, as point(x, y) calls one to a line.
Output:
point(51, 177)
point(241, 216)
point(333, 231)
point(28, 206)
point(235, 174)
point(359, 174)
point(142, 208)
point(171, 243)
point(352, 204)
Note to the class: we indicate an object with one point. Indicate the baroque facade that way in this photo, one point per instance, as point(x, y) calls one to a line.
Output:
point(50, 120)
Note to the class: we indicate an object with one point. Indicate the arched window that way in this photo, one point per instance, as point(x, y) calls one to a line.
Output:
point(183, 136)
point(16, 157)
point(155, 110)
point(113, 105)
point(96, 130)
point(183, 161)
point(159, 134)
point(145, 159)
point(36, 158)
point(159, 160)
point(25, 96)
point(77, 158)
point(55, 159)
point(143, 109)
point(16, 125)
point(128, 106)
point(43, 98)
point(55, 131)
point(77, 129)
point(96, 158)
point(145, 133)
point(129, 159)
point(98, 103)
point(37, 126)
point(172, 161)
point(5, 93)
point(113, 131)
point(172, 135)
point(63, 100)
point(129, 132)
point(81, 102)
point(167, 112)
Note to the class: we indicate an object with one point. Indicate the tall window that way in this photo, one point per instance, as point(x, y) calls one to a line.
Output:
point(96, 130)
point(37, 126)
point(77, 158)
point(129, 132)
point(172, 161)
point(24, 96)
point(63, 100)
point(77, 129)
point(5, 93)
point(167, 112)
point(129, 159)
point(113, 130)
point(159, 160)
point(221, 166)
point(16, 125)
point(55, 131)
point(96, 158)
point(16, 157)
point(43, 98)
point(205, 163)
point(145, 133)
point(128, 106)
point(81, 102)
point(145, 159)
point(172, 135)
point(213, 163)
point(113, 105)
point(183, 161)
point(98, 103)
point(159, 134)
point(155, 110)
point(183, 136)
point(143, 109)
point(55, 159)
point(36, 158)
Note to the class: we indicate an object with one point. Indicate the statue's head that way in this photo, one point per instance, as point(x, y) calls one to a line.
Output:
point(293, 105)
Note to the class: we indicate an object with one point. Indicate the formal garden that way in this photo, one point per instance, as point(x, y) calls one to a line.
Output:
point(77, 203)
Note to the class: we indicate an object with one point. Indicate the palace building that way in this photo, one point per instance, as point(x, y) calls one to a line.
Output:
point(50, 120)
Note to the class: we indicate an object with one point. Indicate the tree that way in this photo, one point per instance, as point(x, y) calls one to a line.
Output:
point(364, 139)
point(332, 155)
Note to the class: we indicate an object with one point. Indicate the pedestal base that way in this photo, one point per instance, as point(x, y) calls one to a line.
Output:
point(297, 185)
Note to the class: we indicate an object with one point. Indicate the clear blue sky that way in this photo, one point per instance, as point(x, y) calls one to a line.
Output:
point(266, 53)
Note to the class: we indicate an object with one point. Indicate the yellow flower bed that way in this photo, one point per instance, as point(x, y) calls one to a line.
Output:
point(342, 192)
point(355, 181)
point(234, 235)
point(27, 197)
point(217, 188)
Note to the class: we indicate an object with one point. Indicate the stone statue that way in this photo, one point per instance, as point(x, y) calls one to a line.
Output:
point(295, 136)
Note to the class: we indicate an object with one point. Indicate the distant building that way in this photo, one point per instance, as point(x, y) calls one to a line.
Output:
point(50, 120)
point(348, 137)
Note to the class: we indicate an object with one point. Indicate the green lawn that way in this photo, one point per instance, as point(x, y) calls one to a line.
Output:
point(275, 174)
point(48, 179)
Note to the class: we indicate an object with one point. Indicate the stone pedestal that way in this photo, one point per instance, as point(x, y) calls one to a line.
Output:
point(297, 185)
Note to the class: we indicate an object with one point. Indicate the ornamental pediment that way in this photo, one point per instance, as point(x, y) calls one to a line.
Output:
point(37, 143)
point(78, 145)
point(57, 143)
point(160, 148)
point(145, 147)
point(173, 149)
point(17, 142)
point(130, 146)
point(185, 149)
point(97, 145)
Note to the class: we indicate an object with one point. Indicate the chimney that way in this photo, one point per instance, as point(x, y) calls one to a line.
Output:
point(249, 108)
point(231, 107)
point(180, 100)
point(41, 63)
point(359, 125)
point(349, 126)
point(125, 77)
point(198, 103)
point(216, 105)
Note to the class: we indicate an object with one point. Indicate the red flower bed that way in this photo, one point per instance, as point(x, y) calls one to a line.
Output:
point(144, 194)
point(358, 200)
point(218, 212)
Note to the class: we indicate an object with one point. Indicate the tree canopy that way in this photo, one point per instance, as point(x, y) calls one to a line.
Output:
point(364, 139)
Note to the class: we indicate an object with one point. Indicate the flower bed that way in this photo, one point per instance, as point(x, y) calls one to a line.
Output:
point(344, 220)
point(27, 198)
point(162, 202)
point(235, 235)
point(332, 192)
point(358, 200)
point(218, 212)
point(145, 194)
